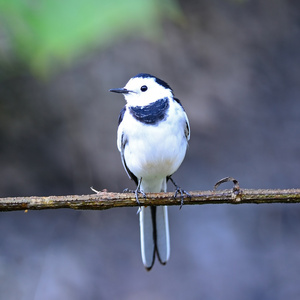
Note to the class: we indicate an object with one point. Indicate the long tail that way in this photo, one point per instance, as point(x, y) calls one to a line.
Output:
point(154, 233)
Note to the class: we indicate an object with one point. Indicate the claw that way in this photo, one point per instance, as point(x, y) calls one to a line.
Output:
point(179, 190)
point(127, 190)
point(182, 192)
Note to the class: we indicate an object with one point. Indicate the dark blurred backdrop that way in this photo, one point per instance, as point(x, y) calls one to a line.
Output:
point(235, 65)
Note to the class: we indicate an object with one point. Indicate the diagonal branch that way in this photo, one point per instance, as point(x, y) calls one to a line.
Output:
point(106, 200)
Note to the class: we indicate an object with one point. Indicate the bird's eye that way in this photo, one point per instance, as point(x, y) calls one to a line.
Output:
point(144, 88)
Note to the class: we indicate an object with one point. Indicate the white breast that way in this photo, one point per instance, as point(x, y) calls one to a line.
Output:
point(154, 151)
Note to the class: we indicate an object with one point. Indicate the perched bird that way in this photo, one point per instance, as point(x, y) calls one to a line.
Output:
point(153, 135)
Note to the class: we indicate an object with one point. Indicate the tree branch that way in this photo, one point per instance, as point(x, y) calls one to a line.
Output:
point(106, 200)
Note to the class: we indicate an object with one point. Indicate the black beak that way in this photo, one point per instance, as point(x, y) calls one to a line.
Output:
point(120, 91)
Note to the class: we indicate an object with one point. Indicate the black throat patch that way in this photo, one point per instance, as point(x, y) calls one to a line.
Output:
point(151, 114)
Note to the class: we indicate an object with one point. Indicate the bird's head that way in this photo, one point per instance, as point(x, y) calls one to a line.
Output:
point(144, 89)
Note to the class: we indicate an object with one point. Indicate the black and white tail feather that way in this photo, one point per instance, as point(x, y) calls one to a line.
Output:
point(153, 133)
point(154, 233)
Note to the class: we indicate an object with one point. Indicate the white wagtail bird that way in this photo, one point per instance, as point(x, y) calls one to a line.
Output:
point(153, 135)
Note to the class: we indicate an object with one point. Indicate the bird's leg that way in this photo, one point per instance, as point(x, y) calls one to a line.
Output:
point(136, 192)
point(179, 190)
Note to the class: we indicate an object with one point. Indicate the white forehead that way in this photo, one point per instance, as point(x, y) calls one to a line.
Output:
point(137, 82)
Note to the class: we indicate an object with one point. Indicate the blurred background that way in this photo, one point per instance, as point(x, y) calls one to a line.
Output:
point(234, 64)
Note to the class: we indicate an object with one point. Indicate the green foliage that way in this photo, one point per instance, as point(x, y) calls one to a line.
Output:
point(46, 33)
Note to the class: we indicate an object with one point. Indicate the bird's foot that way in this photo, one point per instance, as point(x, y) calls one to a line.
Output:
point(178, 190)
point(127, 190)
point(136, 192)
